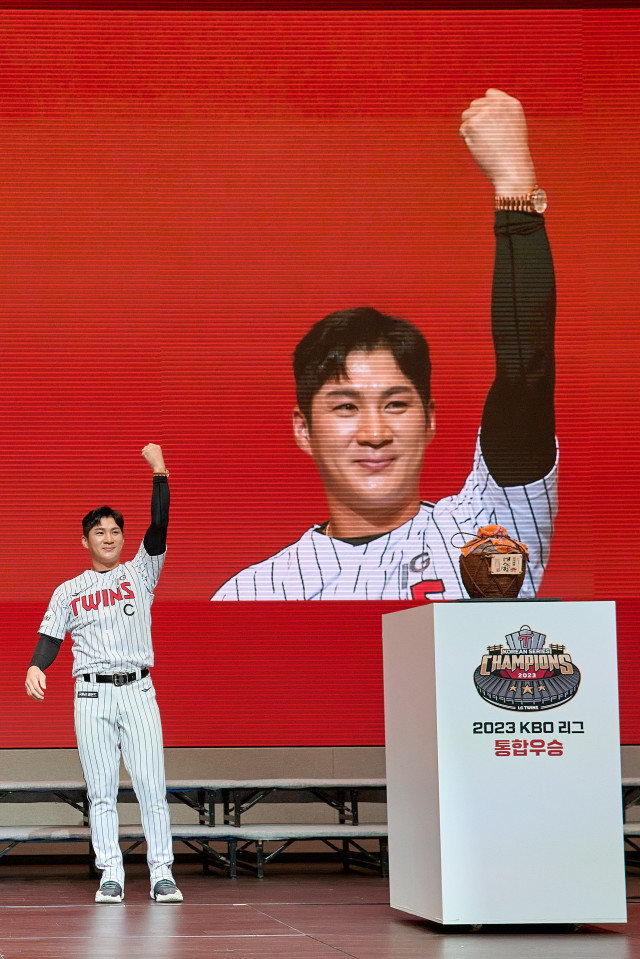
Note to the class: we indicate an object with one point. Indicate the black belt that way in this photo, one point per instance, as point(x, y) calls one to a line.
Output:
point(118, 679)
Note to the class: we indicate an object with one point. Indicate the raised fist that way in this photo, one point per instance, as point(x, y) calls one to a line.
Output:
point(495, 130)
point(153, 455)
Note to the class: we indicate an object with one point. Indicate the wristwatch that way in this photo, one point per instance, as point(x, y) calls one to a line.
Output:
point(535, 201)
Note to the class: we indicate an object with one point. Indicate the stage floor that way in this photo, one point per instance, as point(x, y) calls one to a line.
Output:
point(297, 912)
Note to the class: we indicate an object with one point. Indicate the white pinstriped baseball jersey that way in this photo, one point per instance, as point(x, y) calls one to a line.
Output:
point(108, 615)
point(415, 561)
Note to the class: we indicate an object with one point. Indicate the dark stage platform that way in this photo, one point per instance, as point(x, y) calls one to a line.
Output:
point(308, 911)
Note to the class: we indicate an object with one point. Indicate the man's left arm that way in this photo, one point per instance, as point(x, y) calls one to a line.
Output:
point(518, 422)
point(155, 539)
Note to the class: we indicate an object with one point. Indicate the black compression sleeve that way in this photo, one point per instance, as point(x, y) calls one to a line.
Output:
point(518, 422)
point(47, 648)
point(155, 539)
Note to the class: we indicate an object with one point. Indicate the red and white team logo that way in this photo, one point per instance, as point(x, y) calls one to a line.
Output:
point(103, 597)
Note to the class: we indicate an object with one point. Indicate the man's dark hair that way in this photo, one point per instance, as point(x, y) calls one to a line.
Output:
point(322, 353)
point(94, 516)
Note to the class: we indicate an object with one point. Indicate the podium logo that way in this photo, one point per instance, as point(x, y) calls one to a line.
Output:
point(525, 675)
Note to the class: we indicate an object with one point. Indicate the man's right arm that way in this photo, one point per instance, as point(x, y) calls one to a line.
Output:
point(47, 648)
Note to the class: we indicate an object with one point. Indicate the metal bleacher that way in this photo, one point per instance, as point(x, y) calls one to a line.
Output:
point(220, 834)
point(630, 799)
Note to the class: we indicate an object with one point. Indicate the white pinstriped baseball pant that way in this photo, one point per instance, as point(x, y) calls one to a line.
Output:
point(127, 718)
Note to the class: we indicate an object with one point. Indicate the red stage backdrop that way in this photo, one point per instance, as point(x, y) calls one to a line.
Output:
point(182, 195)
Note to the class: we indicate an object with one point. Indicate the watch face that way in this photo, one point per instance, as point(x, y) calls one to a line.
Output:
point(539, 200)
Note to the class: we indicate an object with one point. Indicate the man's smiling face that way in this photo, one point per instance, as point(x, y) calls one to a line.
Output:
point(104, 542)
point(367, 436)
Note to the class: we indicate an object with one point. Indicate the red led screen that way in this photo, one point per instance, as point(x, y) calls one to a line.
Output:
point(183, 194)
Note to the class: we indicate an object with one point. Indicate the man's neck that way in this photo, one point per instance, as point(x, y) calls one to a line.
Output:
point(347, 524)
point(104, 569)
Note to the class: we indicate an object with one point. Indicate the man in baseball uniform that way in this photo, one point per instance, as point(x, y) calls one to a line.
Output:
point(366, 417)
point(107, 611)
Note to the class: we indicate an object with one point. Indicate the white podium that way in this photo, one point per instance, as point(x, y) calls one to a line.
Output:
point(503, 762)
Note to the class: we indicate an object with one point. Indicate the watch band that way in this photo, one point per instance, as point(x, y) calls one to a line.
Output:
point(535, 201)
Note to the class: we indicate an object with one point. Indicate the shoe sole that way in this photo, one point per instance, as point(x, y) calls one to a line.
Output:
point(107, 899)
point(172, 897)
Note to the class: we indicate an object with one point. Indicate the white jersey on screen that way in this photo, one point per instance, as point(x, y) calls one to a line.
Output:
point(415, 561)
point(108, 615)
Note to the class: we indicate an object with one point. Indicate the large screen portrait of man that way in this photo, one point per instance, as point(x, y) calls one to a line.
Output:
point(366, 417)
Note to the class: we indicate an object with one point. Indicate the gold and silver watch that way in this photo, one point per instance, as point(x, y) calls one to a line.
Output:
point(535, 201)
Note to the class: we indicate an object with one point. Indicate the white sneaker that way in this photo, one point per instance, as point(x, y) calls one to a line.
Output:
point(110, 891)
point(165, 890)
